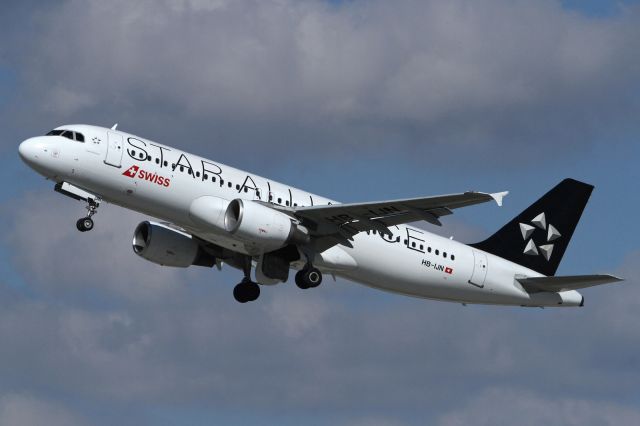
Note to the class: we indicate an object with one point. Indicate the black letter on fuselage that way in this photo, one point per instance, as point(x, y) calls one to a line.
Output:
point(188, 165)
point(245, 184)
point(217, 171)
point(161, 148)
point(142, 149)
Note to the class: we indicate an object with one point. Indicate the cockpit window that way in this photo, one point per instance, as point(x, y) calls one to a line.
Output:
point(74, 136)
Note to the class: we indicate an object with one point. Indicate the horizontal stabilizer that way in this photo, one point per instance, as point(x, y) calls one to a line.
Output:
point(572, 282)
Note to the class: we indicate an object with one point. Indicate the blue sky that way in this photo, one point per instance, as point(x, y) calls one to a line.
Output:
point(356, 100)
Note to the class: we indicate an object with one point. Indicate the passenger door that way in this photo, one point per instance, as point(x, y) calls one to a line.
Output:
point(114, 149)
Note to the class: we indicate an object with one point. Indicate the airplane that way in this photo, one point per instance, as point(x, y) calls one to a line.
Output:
point(210, 214)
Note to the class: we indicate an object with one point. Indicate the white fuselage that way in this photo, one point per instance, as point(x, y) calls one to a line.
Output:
point(163, 182)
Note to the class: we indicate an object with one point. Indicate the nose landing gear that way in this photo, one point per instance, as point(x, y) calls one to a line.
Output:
point(85, 224)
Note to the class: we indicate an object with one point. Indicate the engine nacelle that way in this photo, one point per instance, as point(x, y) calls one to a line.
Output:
point(165, 246)
point(262, 227)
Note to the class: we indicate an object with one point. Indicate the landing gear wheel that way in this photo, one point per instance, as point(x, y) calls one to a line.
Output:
point(300, 281)
point(313, 277)
point(246, 291)
point(84, 224)
point(308, 278)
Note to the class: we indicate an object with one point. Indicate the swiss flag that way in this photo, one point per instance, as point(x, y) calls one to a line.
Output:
point(131, 171)
point(448, 270)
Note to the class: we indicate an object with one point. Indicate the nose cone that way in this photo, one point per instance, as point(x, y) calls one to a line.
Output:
point(33, 152)
point(29, 151)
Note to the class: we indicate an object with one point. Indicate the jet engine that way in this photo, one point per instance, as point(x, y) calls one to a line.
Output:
point(262, 227)
point(165, 246)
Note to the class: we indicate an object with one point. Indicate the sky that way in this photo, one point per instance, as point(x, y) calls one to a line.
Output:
point(356, 100)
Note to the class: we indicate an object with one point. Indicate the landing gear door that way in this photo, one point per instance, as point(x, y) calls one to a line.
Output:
point(114, 149)
point(480, 267)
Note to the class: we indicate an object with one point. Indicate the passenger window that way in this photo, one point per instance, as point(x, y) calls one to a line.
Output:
point(246, 189)
point(279, 200)
point(157, 161)
point(79, 137)
point(141, 156)
point(287, 203)
point(182, 168)
point(295, 204)
point(133, 153)
point(166, 163)
point(221, 181)
point(429, 249)
point(413, 244)
point(205, 176)
point(213, 178)
point(406, 243)
point(437, 252)
point(197, 174)
point(444, 254)
point(189, 171)
point(397, 239)
point(237, 187)
point(421, 247)
point(270, 197)
point(453, 257)
point(229, 184)
point(148, 158)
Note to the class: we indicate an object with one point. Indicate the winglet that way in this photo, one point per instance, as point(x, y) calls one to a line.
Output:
point(114, 127)
point(498, 196)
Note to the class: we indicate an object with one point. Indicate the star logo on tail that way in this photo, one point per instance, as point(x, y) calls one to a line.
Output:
point(552, 234)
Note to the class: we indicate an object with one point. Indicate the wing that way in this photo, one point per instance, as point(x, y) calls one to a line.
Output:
point(338, 223)
point(574, 282)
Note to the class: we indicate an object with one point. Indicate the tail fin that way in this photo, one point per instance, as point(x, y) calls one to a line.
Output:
point(538, 237)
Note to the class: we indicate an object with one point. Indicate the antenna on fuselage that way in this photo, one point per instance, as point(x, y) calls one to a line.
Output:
point(114, 127)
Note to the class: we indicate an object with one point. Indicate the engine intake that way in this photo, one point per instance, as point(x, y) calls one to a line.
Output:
point(262, 226)
point(165, 246)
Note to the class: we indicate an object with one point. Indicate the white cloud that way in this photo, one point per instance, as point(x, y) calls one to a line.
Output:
point(26, 410)
point(498, 72)
point(504, 406)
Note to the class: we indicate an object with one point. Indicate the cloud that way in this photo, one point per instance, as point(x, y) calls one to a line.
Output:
point(342, 349)
point(365, 74)
point(83, 317)
point(26, 410)
point(510, 406)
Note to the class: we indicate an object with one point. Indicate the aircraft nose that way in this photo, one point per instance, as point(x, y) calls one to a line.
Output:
point(28, 150)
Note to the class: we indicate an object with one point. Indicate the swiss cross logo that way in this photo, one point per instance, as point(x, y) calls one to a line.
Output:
point(131, 171)
point(448, 270)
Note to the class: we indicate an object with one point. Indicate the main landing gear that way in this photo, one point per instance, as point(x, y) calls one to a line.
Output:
point(308, 277)
point(85, 224)
point(247, 290)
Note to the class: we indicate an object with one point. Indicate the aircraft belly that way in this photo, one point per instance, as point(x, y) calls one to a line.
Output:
point(400, 270)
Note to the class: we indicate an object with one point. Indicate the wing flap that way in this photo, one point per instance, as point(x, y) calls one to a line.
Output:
point(565, 283)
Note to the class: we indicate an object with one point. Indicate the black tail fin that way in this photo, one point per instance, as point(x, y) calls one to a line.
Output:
point(538, 237)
